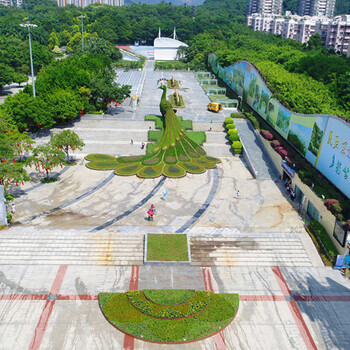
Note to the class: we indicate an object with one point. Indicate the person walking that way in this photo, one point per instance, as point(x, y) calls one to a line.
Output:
point(165, 192)
point(150, 215)
point(13, 209)
point(238, 194)
point(143, 145)
point(131, 141)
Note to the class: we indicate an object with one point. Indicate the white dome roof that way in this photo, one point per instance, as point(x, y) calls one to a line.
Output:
point(167, 42)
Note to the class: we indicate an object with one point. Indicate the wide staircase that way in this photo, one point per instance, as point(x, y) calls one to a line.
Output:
point(249, 250)
point(30, 245)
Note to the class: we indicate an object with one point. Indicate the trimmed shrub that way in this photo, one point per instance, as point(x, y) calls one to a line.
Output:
point(255, 122)
point(275, 143)
point(237, 147)
point(330, 202)
point(266, 135)
point(326, 240)
point(237, 115)
point(232, 132)
point(228, 121)
point(230, 126)
point(9, 217)
point(283, 153)
point(234, 137)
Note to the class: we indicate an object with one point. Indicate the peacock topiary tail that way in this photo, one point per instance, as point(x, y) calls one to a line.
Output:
point(175, 155)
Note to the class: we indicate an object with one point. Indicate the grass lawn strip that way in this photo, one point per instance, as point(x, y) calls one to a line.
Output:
point(167, 247)
point(102, 165)
point(169, 297)
point(120, 313)
point(96, 157)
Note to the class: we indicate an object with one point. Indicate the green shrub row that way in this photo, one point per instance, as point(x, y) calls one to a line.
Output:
point(159, 124)
point(329, 246)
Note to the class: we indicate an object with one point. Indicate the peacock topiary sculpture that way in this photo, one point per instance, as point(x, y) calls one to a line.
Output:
point(174, 156)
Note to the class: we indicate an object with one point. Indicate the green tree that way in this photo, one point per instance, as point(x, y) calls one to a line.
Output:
point(6, 75)
point(53, 41)
point(20, 78)
point(67, 140)
point(45, 157)
point(27, 112)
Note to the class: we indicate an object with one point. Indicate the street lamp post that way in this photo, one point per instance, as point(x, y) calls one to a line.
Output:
point(28, 25)
point(82, 31)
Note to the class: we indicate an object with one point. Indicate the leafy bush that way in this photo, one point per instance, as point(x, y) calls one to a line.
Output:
point(329, 202)
point(232, 132)
point(228, 121)
point(237, 144)
point(237, 115)
point(230, 126)
point(255, 122)
point(275, 143)
point(266, 135)
point(233, 137)
point(49, 180)
point(325, 239)
point(9, 217)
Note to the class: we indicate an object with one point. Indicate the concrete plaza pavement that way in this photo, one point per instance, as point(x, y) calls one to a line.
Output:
point(83, 235)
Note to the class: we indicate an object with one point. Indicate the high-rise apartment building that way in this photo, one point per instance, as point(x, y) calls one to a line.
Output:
point(11, 2)
point(264, 7)
point(84, 3)
point(316, 8)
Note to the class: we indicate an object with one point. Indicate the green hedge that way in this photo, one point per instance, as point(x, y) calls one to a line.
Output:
point(237, 115)
point(230, 126)
point(228, 121)
point(237, 144)
point(233, 138)
point(318, 229)
point(232, 132)
point(169, 297)
point(157, 119)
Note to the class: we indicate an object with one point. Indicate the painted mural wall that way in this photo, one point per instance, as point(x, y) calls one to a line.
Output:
point(324, 140)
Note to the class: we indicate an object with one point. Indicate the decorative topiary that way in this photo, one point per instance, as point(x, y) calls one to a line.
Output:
point(96, 157)
point(228, 121)
point(237, 147)
point(174, 155)
point(232, 132)
point(230, 126)
point(233, 137)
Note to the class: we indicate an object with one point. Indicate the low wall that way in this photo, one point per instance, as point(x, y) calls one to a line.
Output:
point(3, 215)
point(327, 219)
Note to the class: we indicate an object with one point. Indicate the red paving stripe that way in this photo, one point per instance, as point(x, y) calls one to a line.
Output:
point(134, 285)
point(59, 279)
point(207, 279)
point(77, 297)
point(298, 317)
point(134, 280)
point(262, 298)
point(281, 281)
point(45, 315)
point(23, 297)
point(219, 338)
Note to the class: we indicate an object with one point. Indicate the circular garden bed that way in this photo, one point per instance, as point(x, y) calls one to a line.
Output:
point(169, 316)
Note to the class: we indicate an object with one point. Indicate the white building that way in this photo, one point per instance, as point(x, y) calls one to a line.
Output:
point(316, 8)
point(84, 3)
point(335, 32)
point(165, 49)
point(264, 7)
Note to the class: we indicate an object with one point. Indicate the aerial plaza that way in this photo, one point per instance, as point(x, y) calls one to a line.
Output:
point(73, 265)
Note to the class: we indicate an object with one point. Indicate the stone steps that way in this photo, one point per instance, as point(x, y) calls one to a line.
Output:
point(30, 246)
point(255, 250)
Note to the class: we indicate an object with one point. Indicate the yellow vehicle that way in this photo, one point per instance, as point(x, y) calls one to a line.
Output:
point(214, 107)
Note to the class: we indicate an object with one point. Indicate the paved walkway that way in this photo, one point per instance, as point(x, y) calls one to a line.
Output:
point(84, 235)
point(253, 146)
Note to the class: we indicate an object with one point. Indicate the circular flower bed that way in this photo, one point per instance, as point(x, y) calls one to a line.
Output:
point(206, 321)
